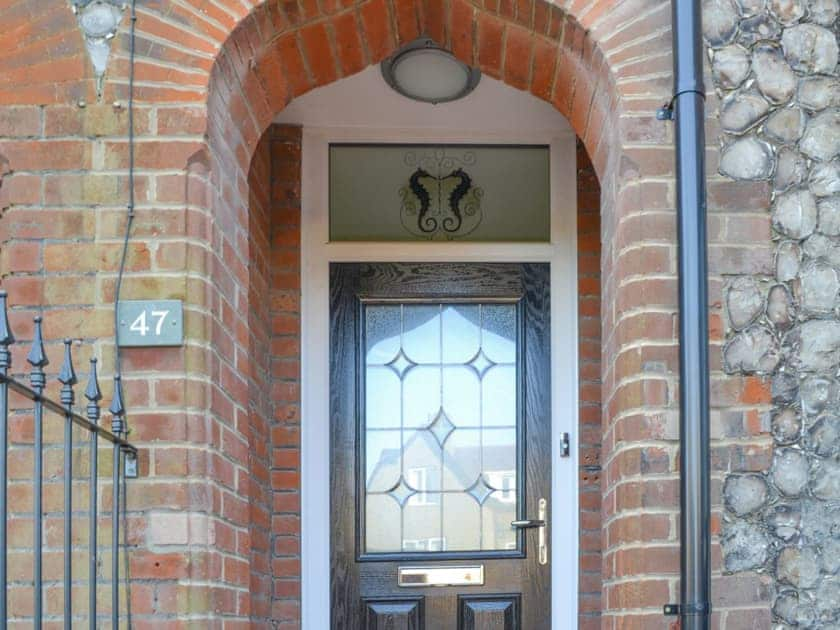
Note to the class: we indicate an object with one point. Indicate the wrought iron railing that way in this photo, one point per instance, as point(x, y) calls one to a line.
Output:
point(34, 393)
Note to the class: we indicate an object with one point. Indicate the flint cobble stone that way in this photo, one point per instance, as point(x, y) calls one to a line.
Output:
point(775, 70)
point(731, 66)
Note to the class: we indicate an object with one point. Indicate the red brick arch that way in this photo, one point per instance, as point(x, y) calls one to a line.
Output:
point(276, 54)
point(279, 51)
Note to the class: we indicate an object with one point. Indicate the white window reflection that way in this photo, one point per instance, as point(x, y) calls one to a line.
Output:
point(440, 427)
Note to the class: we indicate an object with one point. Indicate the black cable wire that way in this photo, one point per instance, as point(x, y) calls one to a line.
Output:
point(130, 218)
point(118, 289)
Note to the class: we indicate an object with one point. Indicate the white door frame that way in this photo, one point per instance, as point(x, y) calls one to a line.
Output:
point(316, 255)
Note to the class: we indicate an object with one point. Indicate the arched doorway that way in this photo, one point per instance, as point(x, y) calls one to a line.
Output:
point(337, 119)
point(273, 58)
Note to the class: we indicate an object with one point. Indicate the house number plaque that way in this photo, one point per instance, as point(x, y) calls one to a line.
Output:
point(151, 323)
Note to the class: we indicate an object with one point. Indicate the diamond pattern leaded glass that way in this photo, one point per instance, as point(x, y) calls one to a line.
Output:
point(402, 492)
point(481, 363)
point(440, 427)
point(480, 490)
point(401, 363)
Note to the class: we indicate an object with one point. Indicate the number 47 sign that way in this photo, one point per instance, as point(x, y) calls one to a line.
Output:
point(151, 323)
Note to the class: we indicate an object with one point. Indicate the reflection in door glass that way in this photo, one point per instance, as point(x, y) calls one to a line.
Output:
point(440, 427)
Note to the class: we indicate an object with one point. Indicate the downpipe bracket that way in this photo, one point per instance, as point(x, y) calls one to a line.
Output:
point(680, 610)
point(667, 111)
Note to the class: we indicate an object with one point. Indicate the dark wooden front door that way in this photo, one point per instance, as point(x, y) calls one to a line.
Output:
point(440, 446)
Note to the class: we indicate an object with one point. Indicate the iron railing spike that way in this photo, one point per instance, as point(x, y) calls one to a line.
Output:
point(6, 336)
point(37, 358)
point(93, 394)
point(117, 408)
point(92, 391)
point(67, 375)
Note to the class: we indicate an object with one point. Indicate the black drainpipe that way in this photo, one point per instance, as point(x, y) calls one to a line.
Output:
point(687, 111)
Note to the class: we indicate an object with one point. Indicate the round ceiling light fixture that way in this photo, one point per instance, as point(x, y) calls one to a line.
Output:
point(425, 72)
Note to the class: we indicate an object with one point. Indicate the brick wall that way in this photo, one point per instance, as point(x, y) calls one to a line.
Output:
point(61, 232)
point(260, 219)
point(589, 430)
point(274, 184)
point(285, 372)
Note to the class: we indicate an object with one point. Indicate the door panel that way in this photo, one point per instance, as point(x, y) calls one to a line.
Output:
point(488, 612)
point(440, 438)
point(394, 614)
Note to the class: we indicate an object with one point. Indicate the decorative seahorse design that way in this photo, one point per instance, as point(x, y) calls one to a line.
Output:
point(427, 224)
point(453, 223)
point(438, 205)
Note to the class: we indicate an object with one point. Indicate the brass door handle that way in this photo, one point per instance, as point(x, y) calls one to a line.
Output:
point(537, 523)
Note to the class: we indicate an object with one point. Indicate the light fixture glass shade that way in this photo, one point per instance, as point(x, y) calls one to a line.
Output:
point(425, 72)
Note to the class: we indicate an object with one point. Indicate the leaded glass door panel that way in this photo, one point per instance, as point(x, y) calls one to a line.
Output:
point(440, 445)
point(440, 430)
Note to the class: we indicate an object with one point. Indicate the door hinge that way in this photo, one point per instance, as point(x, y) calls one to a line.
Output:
point(565, 445)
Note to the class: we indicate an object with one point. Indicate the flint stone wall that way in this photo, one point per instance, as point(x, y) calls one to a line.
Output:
point(775, 68)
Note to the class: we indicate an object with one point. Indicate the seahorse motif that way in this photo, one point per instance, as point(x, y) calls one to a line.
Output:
point(453, 223)
point(427, 224)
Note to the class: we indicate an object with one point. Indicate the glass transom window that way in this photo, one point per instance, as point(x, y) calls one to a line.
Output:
point(390, 192)
point(440, 427)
